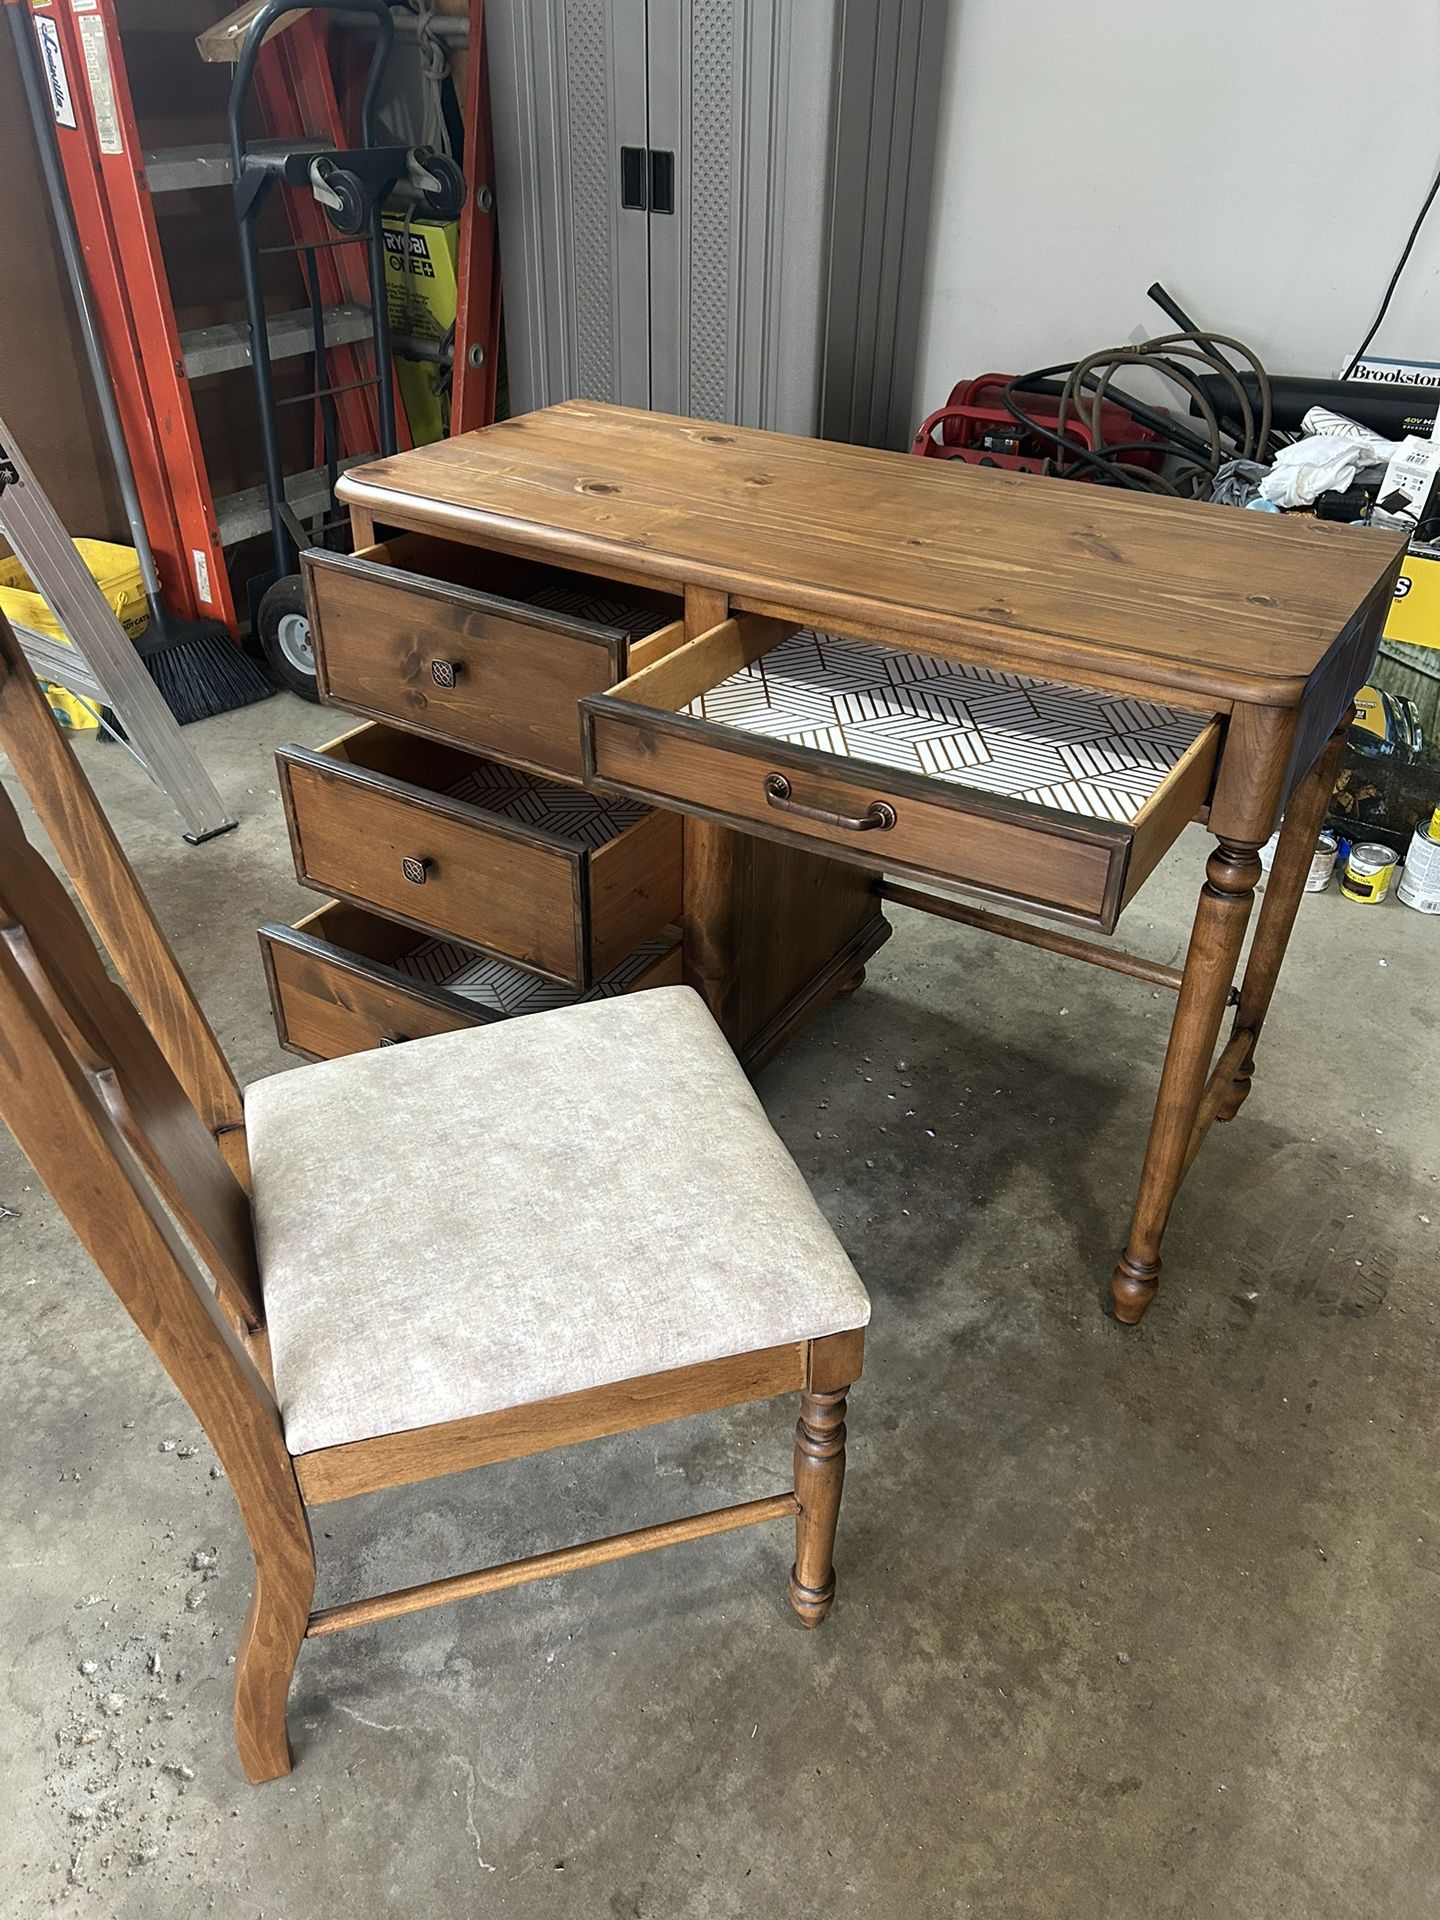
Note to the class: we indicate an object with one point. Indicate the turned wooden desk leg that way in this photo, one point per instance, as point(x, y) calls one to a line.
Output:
point(819, 1477)
point(1280, 903)
point(1214, 953)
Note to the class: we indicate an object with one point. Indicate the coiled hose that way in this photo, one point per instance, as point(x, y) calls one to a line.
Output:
point(1084, 386)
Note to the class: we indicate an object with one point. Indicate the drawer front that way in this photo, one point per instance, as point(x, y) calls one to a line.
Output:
point(329, 1001)
point(930, 836)
point(374, 820)
point(704, 729)
point(454, 662)
point(339, 983)
point(376, 845)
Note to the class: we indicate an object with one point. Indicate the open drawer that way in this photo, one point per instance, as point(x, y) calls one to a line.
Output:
point(564, 881)
point(342, 981)
point(1023, 789)
point(477, 648)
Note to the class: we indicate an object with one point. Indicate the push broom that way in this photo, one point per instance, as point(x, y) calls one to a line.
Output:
point(196, 664)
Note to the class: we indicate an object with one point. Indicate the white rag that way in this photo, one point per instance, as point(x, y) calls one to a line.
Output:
point(1321, 463)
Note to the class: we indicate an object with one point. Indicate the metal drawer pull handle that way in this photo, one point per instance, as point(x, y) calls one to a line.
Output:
point(417, 872)
point(445, 672)
point(878, 815)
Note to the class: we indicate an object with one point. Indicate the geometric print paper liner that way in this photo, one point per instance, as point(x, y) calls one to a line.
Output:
point(1095, 754)
point(590, 818)
point(603, 609)
point(505, 988)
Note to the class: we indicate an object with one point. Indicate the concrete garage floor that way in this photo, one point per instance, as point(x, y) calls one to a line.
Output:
point(1129, 1624)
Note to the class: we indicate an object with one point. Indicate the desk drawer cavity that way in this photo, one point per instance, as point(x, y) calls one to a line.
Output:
point(342, 981)
point(1023, 789)
point(474, 647)
point(562, 881)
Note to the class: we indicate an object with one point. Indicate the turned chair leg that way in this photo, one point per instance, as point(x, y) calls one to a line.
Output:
point(819, 1477)
point(270, 1642)
point(1214, 952)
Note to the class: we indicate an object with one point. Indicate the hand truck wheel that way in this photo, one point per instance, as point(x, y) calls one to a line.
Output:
point(342, 195)
point(282, 624)
point(438, 181)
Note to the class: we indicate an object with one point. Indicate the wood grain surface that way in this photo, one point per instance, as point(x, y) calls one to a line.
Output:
point(1045, 576)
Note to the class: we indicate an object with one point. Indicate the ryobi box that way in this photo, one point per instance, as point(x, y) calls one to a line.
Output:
point(420, 282)
point(1414, 616)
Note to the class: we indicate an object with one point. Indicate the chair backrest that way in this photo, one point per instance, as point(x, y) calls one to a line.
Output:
point(99, 872)
point(100, 1115)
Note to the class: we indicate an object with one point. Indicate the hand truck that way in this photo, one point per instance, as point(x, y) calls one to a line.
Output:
point(351, 185)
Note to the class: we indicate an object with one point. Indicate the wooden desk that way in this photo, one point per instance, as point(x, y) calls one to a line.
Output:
point(1257, 630)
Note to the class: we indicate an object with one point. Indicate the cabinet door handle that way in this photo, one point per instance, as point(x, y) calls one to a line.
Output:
point(633, 183)
point(416, 870)
point(445, 673)
point(879, 816)
point(662, 181)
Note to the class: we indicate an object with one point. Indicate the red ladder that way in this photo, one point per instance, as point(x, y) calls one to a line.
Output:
point(112, 184)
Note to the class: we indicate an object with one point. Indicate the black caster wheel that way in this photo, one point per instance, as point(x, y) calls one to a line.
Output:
point(440, 182)
point(342, 195)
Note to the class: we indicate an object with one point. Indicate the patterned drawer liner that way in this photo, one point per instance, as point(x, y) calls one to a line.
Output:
point(505, 988)
point(1096, 754)
point(590, 818)
point(604, 609)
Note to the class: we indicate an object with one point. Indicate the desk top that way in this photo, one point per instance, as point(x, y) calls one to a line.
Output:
point(1012, 570)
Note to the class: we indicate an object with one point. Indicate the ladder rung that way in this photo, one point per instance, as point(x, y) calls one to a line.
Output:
point(221, 349)
point(240, 516)
point(174, 169)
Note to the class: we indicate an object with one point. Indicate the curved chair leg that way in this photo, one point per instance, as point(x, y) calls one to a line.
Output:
point(264, 1662)
point(819, 1477)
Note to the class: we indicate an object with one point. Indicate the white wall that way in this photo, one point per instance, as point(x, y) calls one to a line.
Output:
point(1263, 158)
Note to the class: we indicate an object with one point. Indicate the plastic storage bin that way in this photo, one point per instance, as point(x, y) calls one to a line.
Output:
point(117, 569)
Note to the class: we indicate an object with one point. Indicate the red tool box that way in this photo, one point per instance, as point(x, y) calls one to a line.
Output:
point(975, 425)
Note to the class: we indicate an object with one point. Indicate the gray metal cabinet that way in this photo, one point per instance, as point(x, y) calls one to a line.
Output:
point(716, 207)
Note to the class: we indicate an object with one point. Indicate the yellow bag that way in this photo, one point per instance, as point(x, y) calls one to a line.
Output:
point(69, 709)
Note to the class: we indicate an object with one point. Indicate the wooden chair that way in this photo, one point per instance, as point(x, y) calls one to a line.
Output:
point(459, 1251)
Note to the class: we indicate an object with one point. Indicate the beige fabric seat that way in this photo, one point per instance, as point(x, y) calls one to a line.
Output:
point(491, 1218)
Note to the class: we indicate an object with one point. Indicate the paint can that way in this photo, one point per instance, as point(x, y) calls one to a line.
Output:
point(1322, 863)
point(1419, 884)
point(1367, 873)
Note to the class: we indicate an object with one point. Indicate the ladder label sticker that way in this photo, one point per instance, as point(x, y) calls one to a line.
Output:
point(84, 6)
point(102, 88)
point(202, 574)
point(56, 79)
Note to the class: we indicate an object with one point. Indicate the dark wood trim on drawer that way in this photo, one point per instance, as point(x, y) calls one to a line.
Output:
point(1007, 849)
point(333, 992)
point(334, 987)
point(371, 822)
point(457, 662)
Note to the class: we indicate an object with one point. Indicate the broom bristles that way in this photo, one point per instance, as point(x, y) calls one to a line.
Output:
point(200, 678)
point(199, 668)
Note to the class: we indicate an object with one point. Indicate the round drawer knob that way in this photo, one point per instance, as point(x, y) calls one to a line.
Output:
point(445, 673)
point(416, 871)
